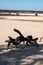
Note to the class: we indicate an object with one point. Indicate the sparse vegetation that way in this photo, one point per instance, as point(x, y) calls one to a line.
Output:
point(36, 14)
point(17, 14)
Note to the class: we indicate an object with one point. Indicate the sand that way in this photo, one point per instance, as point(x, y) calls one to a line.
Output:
point(23, 55)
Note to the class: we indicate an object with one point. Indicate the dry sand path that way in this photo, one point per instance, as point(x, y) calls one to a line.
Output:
point(23, 55)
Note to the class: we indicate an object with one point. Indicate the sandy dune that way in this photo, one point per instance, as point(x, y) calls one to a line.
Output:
point(23, 55)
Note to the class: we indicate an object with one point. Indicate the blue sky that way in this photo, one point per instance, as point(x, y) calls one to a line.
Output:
point(21, 4)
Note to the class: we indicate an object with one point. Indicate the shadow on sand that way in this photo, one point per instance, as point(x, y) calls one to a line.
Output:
point(22, 55)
